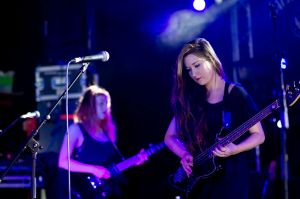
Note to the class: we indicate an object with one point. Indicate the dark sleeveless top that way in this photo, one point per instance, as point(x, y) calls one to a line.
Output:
point(232, 182)
point(100, 153)
point(95, 152)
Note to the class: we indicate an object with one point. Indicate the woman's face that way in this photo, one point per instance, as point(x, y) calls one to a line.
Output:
point(199, 69)
point(101, 106)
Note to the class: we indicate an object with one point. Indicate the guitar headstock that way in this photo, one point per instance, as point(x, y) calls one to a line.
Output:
point(155, 148)
point(293, 93)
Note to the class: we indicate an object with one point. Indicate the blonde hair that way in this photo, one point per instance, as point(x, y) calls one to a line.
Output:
point(86, 109)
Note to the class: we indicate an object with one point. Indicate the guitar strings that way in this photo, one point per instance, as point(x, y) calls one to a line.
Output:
point(235, 134)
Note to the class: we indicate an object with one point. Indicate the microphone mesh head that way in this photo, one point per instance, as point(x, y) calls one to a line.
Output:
point(38, 114)
point(105, 56)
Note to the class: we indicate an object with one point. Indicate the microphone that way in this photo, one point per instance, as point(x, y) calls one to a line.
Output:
point(103, 56)
point(35, 114)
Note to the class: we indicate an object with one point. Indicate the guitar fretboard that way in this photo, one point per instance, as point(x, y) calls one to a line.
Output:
point(235, 134)
point(132, 161)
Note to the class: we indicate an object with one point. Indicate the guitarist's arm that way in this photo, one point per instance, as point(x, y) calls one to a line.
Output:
point(76, 139)
point(176, 146)
point(256, 138)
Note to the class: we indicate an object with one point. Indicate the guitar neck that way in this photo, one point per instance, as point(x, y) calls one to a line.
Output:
point(130, 162)
point(134, 160)
point(249, 123)
point(291, 98)
point(235, 134)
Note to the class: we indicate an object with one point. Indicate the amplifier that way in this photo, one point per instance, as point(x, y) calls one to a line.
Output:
point(19, 175)
point(20, 181)
point(50, 82)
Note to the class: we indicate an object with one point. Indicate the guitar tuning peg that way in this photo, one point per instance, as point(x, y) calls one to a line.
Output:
point(296, 85)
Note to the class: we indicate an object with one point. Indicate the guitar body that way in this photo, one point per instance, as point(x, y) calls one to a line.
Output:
point(89, 186)
point(208, 168)
point(81, 187)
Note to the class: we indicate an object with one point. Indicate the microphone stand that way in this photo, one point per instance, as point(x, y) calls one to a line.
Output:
point(9, 126)
point(284, 119)
point(283, 139)
point(34, 144)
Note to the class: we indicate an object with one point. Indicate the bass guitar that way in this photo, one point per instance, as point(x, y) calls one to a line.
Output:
point(205, 164)
point(87, 186)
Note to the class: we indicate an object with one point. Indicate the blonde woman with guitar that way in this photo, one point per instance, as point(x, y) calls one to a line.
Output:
point(93, 150)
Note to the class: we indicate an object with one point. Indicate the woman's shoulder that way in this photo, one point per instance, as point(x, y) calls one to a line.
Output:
point(240, 95)
point(237, 89)
point(75, 129)
point(76, 134)
point(74, 125)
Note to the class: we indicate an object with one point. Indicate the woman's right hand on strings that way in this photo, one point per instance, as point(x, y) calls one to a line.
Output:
point(101, 172)
point(187, 163)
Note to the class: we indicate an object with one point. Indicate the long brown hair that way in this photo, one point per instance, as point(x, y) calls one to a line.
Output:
point(86, 110)
point(188, 97)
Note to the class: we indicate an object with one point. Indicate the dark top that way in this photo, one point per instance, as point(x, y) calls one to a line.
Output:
point(95, 152)
point(98, 153)
point(232, 181)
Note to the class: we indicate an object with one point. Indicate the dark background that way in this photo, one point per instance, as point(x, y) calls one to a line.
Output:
point(140, 69)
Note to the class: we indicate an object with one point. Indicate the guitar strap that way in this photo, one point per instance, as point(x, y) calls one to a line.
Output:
point(115, 147)
point(112, 143)
point(226, 115)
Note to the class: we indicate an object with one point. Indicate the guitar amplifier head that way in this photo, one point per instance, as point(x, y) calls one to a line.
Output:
point(50, 82)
